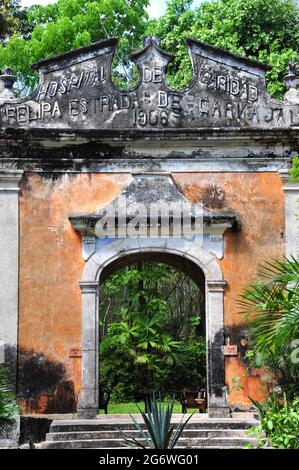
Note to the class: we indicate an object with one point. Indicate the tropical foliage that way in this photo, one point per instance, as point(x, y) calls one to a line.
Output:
point(8, 404)
point(266, 31)
point(151, 332)
point(295, 169)
point(279, 426)
point(68, 24)
point(159, 432)
point(271, 307)
point(15, 18)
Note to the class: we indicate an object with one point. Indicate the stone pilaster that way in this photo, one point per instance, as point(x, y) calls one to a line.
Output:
point(88, 406)
point(9, 282)
point(217, 404)
point(291, 191)
point(9, 266)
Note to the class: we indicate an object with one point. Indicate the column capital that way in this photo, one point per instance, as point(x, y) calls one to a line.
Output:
point(10, 179)
point(216, 285)
point(289, 185)
point(284, 174)
point(291, 191)
point(89, 287)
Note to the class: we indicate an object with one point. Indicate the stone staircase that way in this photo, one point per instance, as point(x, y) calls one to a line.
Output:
point(108, 433)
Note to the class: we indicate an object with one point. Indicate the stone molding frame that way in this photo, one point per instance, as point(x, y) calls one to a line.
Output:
point(90, 288)
point(291, 192)
point(9, 281)
point(9, 267)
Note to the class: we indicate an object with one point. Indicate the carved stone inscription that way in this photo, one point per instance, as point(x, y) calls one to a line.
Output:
point(76, 91)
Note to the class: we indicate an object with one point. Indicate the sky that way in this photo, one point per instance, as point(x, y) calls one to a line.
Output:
point(155, 9)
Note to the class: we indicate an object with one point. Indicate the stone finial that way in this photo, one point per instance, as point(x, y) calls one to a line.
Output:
point(7, 80)
point(147, 40)
point(292, 69)
point(292, 83)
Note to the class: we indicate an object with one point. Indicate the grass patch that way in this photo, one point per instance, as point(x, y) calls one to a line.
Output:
point(126, 408)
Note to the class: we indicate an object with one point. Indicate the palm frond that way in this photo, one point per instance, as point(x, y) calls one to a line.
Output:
point(271, 309)
point(8, 405)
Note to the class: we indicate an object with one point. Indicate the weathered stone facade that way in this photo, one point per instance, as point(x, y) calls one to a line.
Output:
point(69, 150)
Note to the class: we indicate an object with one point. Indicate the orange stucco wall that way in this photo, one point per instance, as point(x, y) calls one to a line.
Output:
point(51, 267)
point(259, 199)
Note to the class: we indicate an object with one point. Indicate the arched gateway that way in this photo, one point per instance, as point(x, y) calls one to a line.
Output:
point(78, 143)
point(214, 314)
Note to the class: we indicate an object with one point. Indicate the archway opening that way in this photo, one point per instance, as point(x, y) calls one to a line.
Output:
point(152, 331)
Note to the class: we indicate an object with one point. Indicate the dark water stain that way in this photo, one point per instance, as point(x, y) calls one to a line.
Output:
point(238, 335)
point(39, 376)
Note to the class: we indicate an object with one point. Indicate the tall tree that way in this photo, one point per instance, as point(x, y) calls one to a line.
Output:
point(13, 17)
point(266, 31)
point(3, 26)
point(68, 24)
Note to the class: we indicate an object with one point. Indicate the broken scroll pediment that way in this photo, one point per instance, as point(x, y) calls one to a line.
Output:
point(76, 91)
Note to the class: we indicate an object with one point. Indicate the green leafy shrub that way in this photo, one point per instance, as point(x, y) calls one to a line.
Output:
point(295, 169)
point(279, 425)
point(117, 371)
point(190, 371)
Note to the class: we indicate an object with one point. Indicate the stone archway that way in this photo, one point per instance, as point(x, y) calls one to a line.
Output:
point(215, 284)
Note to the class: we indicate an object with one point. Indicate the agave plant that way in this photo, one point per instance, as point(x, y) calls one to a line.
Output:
point(8, 404)
point(159, 433)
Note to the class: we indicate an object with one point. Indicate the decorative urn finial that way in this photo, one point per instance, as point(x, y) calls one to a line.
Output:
point(292, 83)
point(7, 80)
point(147, 40)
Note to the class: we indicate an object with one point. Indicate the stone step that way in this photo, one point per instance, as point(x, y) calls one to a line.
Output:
point(188, 433)
point(107, 433)
point(180, 447)
point(109, 425)
point(222, 442)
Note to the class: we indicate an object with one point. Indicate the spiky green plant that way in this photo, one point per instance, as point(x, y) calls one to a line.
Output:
point(271, 308)
point(8, 403)
point(159, 433)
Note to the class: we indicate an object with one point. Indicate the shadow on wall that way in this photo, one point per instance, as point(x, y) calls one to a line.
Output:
point(43, 386)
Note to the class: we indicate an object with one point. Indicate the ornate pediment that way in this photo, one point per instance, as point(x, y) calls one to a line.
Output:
point(152, 206)
point(147, 192)
point(76, 92)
